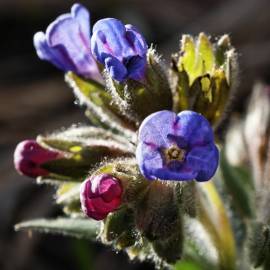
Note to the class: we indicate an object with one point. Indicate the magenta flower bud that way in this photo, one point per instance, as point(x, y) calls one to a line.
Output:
point(100, 195)
point(29, 156)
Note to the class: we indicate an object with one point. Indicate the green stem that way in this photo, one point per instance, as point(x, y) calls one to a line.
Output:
point(213, 216)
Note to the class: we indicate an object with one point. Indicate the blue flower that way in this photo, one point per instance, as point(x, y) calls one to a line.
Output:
point(120, 48)
point(177, 147)
point(66, 43)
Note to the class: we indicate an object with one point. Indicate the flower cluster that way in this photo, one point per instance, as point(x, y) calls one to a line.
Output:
point(151, 140)
point(66, 44)
point(175, 147)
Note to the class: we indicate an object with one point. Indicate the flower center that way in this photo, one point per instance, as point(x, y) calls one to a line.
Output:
point(174, 153)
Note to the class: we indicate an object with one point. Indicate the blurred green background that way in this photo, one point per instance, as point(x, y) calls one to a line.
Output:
point(34, 99)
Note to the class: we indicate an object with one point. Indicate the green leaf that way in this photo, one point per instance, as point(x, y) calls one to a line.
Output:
point(83, 148)
point(71, 169)
point(196, 59)
point(68, 193)
point(231, 66)
point(183, 90)
point(99, 102)
point(239, 186)
point(187, 265)
point(187, 60)
point(75, 138)
point(198, 247)
point(81, 228)
point(88, 92)
point(223, 45)
point(205, 56)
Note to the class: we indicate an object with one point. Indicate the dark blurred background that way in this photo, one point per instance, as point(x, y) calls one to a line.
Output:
point(34, 99)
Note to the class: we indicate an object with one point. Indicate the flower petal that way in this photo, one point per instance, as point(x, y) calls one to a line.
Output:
point(194, 129)
point(44, 52)
point(115, 68)
point(69, 35)
point(136, 68)
point(181, 173)
point(148, 159)
point(156, 127)
point(136, 40)
point(204, 160)
point(109, 37)
point(81, 14)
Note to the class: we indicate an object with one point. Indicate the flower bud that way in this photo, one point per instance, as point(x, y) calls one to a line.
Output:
point(100, 195)
point(203, 75)
point(138, 99)
point(120, 48)
point(29, 157)
point(134, 75)
point(66, 43)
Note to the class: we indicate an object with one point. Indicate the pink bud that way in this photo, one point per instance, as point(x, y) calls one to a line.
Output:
point(100, 195)
point(29, 156)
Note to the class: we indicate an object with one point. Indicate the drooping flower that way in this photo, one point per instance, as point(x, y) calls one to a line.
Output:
point(29, 157)
point(66, 43)
point(177, 147)
point(100, 195)
point(120, 48)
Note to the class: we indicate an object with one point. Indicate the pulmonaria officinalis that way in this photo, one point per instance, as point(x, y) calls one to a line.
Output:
point(66, 43)
point(120, 48)
point(177, 147)
point(29, 157)
point(100, 195)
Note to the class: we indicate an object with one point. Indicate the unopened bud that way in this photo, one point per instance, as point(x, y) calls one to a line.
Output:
point(138, 99)
point(204, 74)
point(100, 195)
point(29, 157)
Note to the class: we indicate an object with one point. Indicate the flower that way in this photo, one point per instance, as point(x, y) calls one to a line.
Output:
point(120, 48)
point(177, 147)
point(29, 157)
point(66, 43)
point(100, 195)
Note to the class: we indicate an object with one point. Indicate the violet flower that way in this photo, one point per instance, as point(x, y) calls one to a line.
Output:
point(29, 157)
point(66, 43)
point(120, 48)
point(100, 195)
point(177, 147)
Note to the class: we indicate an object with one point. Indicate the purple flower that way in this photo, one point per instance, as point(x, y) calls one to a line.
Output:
point(120, 48)
point(177, 147)
point(100, 195)
point(66, 43)
point(29, 156)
